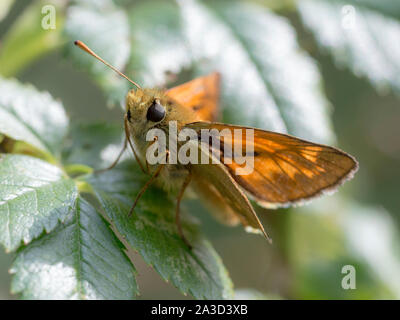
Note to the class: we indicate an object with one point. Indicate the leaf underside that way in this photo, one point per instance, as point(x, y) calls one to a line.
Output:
point(352, 33)
point(31, 116)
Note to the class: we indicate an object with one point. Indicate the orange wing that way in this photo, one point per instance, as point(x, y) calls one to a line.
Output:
point(287, 170)
point(230, 204)
point(200, 95)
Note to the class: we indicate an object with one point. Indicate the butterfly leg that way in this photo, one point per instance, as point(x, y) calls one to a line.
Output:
point(177, 216)
point(127, 136)
point(148, 183)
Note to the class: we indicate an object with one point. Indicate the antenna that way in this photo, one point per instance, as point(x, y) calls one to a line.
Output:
point(84, 47)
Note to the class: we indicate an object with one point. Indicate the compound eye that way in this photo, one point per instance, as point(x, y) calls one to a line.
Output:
point(156, 112)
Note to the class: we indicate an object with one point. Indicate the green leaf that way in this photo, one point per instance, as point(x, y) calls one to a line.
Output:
point(158, 42)
point(152, 232)
point(387, 7)
point(360, 37)
point(95, 145)
point(105, 29)
point(156, 45)
point(81, 259)
point(266, 81)
point(26, 40)
point(31, 116)
point(34, 197)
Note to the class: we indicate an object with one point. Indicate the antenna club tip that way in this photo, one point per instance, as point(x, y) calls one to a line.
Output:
point(77, 42)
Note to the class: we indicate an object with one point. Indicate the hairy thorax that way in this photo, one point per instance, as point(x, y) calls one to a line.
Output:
point(137, 103)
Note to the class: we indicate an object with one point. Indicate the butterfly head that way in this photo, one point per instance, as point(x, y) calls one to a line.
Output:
point(146, 108)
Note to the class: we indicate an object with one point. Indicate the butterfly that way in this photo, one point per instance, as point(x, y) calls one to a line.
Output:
point(286, 170)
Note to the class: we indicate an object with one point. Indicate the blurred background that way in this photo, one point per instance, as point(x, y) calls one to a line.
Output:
point(330, 68)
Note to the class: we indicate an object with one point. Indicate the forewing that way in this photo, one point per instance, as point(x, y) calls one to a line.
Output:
point(200, 95)
point(287, 170)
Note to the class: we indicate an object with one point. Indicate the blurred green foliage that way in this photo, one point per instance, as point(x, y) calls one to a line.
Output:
point(281, 61)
